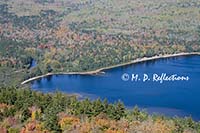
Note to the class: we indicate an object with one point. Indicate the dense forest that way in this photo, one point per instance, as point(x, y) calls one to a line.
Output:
point(85, 35)
point(77, 36)
point(25, 111)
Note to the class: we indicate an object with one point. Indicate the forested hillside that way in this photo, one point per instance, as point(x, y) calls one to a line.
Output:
point(83, 35)
point(25, 111)
point(49, 36)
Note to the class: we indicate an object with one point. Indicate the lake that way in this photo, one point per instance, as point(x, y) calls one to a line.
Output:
point(178, 93)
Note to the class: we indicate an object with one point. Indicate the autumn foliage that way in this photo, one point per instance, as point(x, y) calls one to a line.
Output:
point(58, 112)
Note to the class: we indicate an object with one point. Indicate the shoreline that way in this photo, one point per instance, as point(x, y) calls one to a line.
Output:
point(100, 70)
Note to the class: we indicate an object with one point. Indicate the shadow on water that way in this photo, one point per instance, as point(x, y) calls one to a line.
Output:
point(49, 78)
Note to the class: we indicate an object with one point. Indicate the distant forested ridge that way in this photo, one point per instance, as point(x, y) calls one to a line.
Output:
point(84, 35)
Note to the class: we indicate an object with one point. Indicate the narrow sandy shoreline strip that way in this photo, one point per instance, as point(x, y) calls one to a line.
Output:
point(110, 67)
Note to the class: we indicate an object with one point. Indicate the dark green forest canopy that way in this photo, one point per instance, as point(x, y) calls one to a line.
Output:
point(30, 111)
point(66, 36)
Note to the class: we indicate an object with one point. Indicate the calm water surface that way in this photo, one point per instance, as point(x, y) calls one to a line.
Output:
point(180, 98)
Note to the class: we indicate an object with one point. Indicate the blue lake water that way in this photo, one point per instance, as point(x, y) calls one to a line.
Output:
point(180, 98)
point(33, 64)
